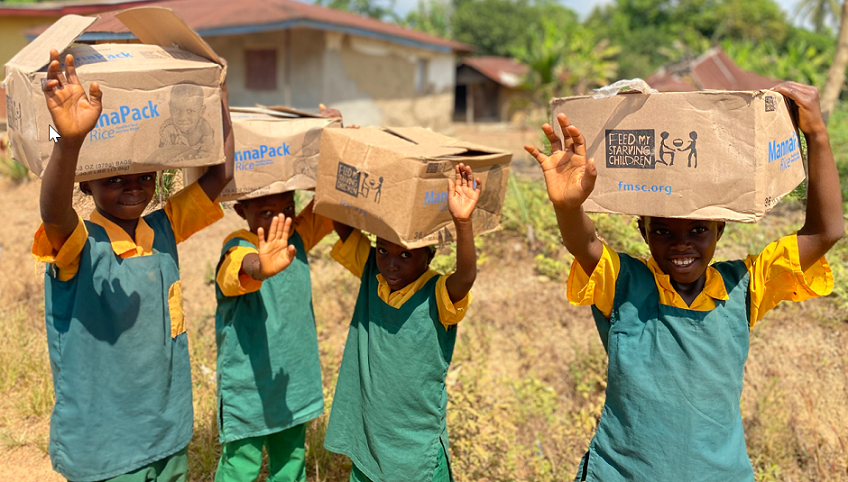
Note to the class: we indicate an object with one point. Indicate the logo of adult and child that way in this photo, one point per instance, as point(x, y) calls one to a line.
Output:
point(357, 183)
point(636, 149)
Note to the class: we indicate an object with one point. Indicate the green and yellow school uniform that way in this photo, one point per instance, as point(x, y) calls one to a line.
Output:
point(117, 343)
point(269, 372)
point(675, 371)
point(390, 406)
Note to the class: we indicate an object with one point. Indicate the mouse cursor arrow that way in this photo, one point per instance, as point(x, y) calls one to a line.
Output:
point(54, 136)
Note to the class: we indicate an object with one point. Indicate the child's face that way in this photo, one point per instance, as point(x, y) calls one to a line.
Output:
point(683, 248)
point(186, 112)
point(122, 197)
point(261, 211)
point(401, 266)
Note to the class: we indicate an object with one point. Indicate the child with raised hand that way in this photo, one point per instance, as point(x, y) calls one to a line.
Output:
point(389, 410)
point(676, 327)
point(269, 372)
point(115, 327)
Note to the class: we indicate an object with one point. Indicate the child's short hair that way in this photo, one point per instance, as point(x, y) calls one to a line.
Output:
point(186, 89)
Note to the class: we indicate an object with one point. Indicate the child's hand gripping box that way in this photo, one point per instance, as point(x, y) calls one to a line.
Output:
point(161, 98)
point(725, 156)
point(276, 151)
point(393, 182)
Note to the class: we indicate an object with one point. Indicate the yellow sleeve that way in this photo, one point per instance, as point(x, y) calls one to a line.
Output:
point(450, 313)
point(312, 227)
point(776, 276)
point(598, 289)
point(353, 253)
point(230, 278)
point(68, 258)
point(190, 210)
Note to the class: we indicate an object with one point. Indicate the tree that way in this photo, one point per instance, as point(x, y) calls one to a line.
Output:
point(431, 16)
point(821, 13)
point(368, 8)
point(836, 74)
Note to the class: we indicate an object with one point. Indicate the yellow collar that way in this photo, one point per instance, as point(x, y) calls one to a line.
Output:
point(122, 244)
point(713, 286)
point(399, 297)
point(245, 235)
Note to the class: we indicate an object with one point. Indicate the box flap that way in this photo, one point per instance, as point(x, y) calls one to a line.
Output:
point(425, 137)
point(161, 26)
point(288, 110)
point(59, 36)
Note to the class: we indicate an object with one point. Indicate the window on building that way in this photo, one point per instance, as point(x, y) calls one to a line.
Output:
point(261, 69)
point(421, 76)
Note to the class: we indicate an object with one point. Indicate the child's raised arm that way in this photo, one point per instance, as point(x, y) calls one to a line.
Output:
point(463, 194)
point(570, 178)
point(74, 116)
point(824, 224)
point(216, 178)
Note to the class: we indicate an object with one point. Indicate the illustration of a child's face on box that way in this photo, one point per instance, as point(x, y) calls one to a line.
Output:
point(186, 107)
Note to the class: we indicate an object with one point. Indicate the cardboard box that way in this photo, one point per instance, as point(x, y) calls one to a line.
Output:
point(727, 156)
point(161, 98)
point(276, 151)
point(393, 182)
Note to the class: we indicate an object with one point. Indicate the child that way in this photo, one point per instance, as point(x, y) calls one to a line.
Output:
point(674, 326)
point(390, 404)
point(115, 327)
point(269, 374)
point(186, 126)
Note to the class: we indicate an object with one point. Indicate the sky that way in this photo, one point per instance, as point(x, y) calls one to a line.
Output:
point(583, 7)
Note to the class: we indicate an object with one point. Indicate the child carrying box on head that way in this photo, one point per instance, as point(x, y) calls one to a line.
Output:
point(269, 372)
point(115, 327)
point(676, 327)
point(389, 409)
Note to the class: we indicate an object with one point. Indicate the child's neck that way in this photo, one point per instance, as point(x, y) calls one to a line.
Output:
point(689, 291)
point(128, 225)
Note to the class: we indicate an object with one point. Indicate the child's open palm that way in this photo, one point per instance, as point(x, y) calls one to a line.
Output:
point(569, 176)
point(463, 193)
point(275, 254)
point(74, 114)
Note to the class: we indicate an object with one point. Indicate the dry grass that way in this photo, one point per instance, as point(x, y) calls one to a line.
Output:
point(527, 381)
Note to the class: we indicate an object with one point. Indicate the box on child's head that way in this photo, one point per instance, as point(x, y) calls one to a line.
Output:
point(393, 182)
point(276, 151)
point(161, 98)
point(728, 156)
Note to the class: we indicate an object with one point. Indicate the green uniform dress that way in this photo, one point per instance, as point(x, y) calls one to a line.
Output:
point(269, 372)
point(390, 406)
point(674, 384)
point(122, 383)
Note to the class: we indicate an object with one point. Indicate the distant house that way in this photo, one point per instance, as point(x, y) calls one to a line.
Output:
point(486, 87)
point(711, 71)
point(297, 54)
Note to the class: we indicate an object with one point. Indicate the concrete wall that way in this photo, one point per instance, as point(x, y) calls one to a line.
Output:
point(371, 82)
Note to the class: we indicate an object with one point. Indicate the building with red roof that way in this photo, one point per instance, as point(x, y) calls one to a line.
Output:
point(286, 52)
point(713, 70)
point(486, 88)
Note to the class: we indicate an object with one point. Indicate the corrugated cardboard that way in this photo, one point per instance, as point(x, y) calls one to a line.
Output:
point(149, 122)
point(735, 154)
point(393, 182)
point(276, 151)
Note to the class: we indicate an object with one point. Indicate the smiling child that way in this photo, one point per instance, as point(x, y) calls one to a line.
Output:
point(113, 303)
point(675, 326)
point(390, 406)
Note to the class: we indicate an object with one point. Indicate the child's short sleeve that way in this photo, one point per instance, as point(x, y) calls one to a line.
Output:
point(190, 210)
point(68, 257)
point(450, 313)
point(353, 252)
point(230, 278)
point(312, 227)
point(597, 289)
point(776, 276)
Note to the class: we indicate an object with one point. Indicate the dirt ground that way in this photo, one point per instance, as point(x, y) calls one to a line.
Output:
point(520, 331)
